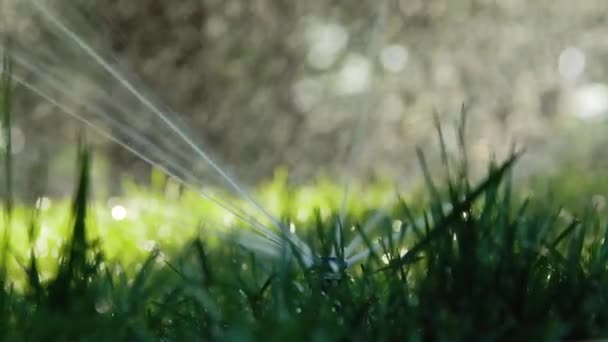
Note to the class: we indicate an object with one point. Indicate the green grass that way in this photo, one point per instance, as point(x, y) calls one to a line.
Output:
point(495, 267)
point(491, 269)
point(162, 214)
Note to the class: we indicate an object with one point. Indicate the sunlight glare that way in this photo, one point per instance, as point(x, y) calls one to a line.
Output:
point(119, 212)
point(571, 62)
point(394, 58)
point(355, 75)
point(590, 101)
point(326, 41)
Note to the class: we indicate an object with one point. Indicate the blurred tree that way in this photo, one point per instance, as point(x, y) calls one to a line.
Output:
point(271, 82)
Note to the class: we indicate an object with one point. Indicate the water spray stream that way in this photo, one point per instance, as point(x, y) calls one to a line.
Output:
point(120, 133)
point(367, 228)
point(185, 177)
point(189, 180)
point(115, 119)
point(103, 113)
point(85, 47)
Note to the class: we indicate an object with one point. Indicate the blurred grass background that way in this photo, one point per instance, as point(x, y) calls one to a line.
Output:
point(164, 215)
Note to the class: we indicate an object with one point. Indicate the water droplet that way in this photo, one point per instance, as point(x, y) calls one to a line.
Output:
point(103, 306)
point(590, 101)
point(148, 245)
point(229, 219)
point(571, 63)
point(355, 75)
point(43, 203)
point(119, 212)
point(326, 42)
point(307, 93)
point(292, 228)
point(394, 57)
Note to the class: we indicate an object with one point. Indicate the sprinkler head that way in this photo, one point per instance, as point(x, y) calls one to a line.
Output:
point(333, 264)
point(331, 270)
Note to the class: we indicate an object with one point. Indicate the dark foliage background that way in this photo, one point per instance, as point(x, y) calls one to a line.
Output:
point(271, 83)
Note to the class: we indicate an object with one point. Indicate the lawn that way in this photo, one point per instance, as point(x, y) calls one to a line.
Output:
point(494, 266)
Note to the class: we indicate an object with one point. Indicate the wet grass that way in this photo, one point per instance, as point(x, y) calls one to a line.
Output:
point(493, 267)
